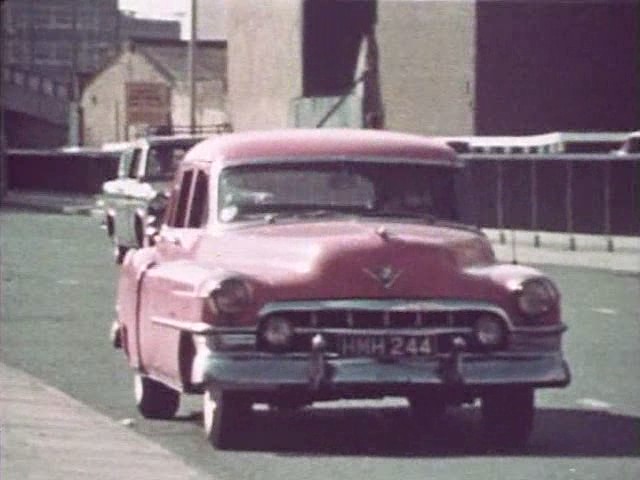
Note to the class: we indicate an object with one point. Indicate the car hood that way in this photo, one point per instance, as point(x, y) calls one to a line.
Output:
point(349, 259)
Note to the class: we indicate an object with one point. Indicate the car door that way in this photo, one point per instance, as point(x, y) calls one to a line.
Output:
point(167, 294)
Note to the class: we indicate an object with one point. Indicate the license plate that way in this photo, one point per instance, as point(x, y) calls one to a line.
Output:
point(384, 346)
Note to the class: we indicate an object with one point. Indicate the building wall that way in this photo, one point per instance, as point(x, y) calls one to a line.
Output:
point(49, 35)
point(103, 100)
point(210, 104)
point(464, 67)
point(557, 66)
point(265, 61)
point(427, 59)
point(211, 20)
point(132, 27)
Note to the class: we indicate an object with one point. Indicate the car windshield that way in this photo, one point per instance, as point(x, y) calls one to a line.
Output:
point(337, 187)
point(163, 160)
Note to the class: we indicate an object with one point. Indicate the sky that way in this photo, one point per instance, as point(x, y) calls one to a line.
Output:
point(171, 9)
point(210, 18)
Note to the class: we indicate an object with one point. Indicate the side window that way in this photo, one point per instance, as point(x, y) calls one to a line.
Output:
point(180, 212)
point(134, 166)
point(200, 201)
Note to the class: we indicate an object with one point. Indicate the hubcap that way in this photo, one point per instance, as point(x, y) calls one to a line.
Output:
point(209, 411)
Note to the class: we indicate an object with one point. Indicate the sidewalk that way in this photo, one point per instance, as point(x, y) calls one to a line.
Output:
point(47, 435)
point(591, 251)
point(51, 202)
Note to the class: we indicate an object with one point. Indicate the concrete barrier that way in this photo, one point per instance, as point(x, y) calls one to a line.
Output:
point(581, 193)
point(81, 171)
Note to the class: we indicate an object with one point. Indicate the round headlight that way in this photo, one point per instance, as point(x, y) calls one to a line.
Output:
point(232, 296)
point(277, 332)
point(536, 297)
point(489, 331)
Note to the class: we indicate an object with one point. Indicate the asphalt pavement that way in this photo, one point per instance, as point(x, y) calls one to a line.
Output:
point(46, 434)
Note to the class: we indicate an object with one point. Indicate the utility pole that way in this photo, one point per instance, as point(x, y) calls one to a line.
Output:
point(74, 104)
point(4, 183)
point(192, 67)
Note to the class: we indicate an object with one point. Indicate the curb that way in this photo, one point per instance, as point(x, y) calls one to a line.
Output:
point(62, 209)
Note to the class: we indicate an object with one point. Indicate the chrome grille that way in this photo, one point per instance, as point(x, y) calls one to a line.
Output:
point(368, 319)
point(443, 324)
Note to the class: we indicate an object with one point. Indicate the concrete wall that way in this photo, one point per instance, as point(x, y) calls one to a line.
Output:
point(265, 61)
point(427, 61)
point(558, 66)
point(211, 20)
point(426, 57)
point(55, 171)
point(210, 103)
point(103, 100)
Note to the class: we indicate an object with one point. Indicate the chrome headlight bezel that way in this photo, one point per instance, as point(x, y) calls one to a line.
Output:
point(277, 333)
point(536, 297)
point(232, 296)
point(490, 331)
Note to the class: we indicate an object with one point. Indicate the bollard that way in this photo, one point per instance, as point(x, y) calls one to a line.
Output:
point(534, 204)
point(499, 206)
point(569, 205)
point(607, 204)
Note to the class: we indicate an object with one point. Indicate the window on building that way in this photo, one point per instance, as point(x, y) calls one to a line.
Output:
point(44, 52)
point(333, 31)
point(41, 16)
point(61, 17)
point(64, 52)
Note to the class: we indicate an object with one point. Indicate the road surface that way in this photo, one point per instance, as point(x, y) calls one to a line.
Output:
point(58, 286)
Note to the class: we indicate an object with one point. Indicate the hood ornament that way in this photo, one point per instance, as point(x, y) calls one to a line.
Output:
point(386, 275)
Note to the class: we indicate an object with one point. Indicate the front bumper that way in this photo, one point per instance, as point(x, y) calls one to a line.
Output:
point(261, 372)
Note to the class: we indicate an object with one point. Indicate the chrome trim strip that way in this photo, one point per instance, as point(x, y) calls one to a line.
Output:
point(238, 339)
point(436, 159)
point(542, 330)
point(402, 332)
point(198, 328)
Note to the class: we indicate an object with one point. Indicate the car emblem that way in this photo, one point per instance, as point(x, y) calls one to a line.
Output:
point(386, 275)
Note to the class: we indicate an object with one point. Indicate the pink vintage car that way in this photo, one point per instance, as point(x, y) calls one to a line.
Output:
point(297, 266)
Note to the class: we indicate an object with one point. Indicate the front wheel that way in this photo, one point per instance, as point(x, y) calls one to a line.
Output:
point(223, 413)
point(154, 399)
point(507, 416)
